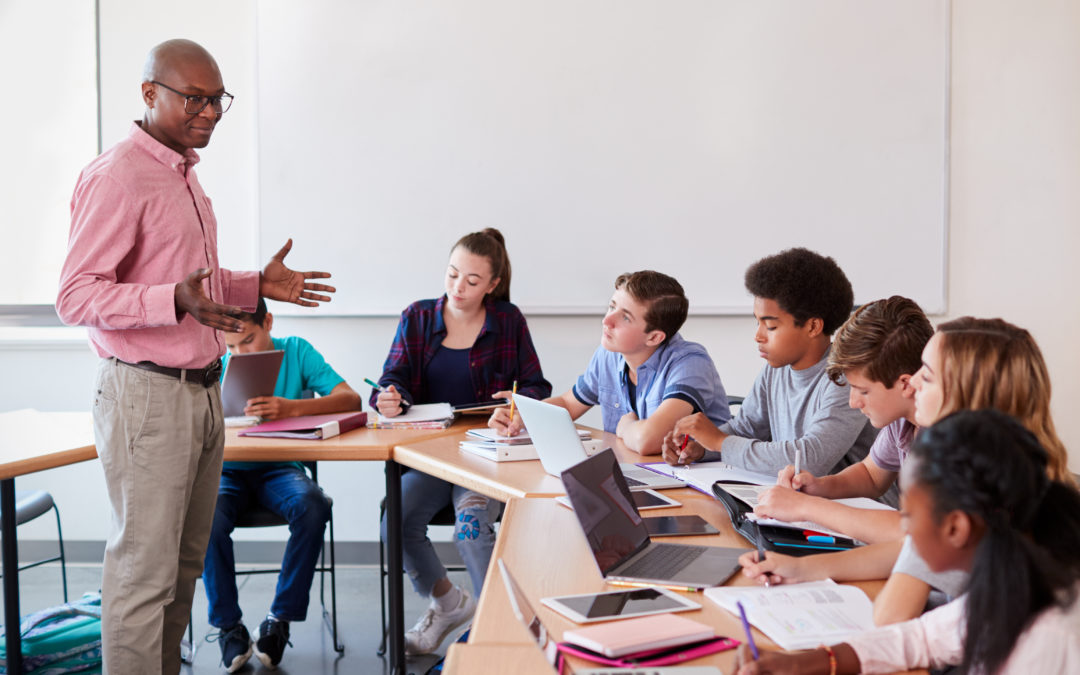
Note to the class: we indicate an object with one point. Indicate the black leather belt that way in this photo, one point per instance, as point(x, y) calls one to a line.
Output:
point(205, 376)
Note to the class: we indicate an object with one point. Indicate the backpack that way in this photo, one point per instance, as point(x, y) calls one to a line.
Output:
point(62, 639)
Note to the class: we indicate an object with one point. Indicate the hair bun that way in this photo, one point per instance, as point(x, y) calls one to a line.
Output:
point(494, 234)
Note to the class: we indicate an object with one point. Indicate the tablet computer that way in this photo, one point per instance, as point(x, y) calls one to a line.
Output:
point(481, 407)
point(678, 526)
point(248, 376)
point(589, 607)
point(643, 500)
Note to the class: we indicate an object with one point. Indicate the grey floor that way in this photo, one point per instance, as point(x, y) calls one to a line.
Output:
point(312, 653)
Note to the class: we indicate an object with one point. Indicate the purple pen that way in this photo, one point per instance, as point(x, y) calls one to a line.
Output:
point(746, 628)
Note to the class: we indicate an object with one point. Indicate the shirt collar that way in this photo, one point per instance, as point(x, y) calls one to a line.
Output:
point(160, 152)
point(652, 363)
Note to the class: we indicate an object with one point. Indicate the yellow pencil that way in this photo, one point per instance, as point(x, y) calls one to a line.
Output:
point(512, 394)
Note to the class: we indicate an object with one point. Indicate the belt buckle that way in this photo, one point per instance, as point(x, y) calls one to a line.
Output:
point(212, 374)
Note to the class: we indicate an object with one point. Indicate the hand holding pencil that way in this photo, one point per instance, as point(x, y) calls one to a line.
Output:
point(505, 420)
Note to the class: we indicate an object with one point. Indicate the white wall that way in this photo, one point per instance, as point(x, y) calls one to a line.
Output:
point(1014, 213)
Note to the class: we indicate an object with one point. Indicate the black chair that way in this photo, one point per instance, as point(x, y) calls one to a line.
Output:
point(263, 517)
point(33, 504)
point(444, 517)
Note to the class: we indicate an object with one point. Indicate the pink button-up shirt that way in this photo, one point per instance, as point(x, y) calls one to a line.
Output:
point(140, 224)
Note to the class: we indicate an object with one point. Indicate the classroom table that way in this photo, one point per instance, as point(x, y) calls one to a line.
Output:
point(541, 543)
point(31, 441)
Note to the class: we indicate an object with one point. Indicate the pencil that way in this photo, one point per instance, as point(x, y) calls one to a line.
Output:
point(513, 393)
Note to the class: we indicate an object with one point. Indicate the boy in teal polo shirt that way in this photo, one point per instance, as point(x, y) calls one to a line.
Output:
point(281, 487)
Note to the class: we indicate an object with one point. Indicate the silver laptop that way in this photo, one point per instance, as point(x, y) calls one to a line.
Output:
point(620, 541)
point(559, 446)
point(248, 376)
point(528, 616)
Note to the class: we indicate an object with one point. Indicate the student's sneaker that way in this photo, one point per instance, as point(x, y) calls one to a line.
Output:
point(235, 646)
point(273, 636)
point(435, 625)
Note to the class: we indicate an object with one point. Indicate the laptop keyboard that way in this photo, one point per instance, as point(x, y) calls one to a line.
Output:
point(662, 561)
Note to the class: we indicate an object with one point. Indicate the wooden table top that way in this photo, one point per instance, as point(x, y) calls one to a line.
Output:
point(357, 445)
point(32, 441)
point(441, 457)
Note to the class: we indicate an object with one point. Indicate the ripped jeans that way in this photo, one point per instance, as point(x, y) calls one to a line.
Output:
point(423, 496)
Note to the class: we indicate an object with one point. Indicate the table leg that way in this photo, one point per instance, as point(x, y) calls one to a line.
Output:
point(395, 581)
point(10, 551)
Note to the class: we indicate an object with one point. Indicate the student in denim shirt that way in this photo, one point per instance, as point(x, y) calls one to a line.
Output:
point(469, 345)
point(644, 375)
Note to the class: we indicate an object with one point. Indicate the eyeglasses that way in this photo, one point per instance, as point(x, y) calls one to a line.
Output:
point(194, 104)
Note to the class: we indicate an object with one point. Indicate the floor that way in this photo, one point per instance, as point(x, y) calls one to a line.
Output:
point(312, 653)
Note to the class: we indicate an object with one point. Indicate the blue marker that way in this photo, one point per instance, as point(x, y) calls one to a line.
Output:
point(746, 628)
point(820, 539)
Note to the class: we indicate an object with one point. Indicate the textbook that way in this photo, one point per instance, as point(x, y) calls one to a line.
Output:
point(418, 416)
point(521, 438)
point(702, 475)
point(314, 427)
point(516, 451)
point(800, 616)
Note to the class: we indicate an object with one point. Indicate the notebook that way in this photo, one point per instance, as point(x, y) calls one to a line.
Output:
point(525, 613)
point(557, 443)
point(311, 427)
point(620, 541)
point(248, 376)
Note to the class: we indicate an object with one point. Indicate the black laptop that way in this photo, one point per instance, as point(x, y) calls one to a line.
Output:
point(620, 542)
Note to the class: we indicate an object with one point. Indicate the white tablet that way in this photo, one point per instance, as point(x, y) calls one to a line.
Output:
point(248, 376)
point(589, 607)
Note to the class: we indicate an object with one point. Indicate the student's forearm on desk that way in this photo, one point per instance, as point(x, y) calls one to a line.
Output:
point(869, 525)
point(341, 398)
point(865, 563)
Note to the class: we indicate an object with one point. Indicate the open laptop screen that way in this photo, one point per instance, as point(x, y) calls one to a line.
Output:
point(603, 506)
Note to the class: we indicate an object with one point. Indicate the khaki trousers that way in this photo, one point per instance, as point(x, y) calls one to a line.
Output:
point(161, 443)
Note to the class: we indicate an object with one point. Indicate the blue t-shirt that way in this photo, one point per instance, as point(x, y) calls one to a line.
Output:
point(677, 369)
point(302, 369)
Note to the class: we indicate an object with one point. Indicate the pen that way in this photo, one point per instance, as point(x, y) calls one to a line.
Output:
point(761, 551)
point(685, 440)
point(746, 627)
point(513, 393)
point(382, 390)
point(798, 462)
point(638, 584)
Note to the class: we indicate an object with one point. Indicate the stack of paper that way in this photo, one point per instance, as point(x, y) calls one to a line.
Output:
point(800, 616)
point(419, 416)
point(492, 445)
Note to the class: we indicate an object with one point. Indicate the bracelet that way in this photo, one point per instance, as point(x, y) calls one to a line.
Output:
point(832, 658)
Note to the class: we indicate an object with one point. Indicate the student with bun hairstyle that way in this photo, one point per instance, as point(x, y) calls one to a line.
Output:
point(969, 364)
point(467, 346)
point(977, 498)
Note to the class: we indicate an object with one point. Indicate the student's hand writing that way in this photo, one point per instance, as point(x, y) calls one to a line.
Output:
point(189, 298)
point(278, 282)
point(782, 503)
point(500, 422)
point(805, 481)
point(701, 429)
point(270, 407)
point(675, 455)
point(777, 568)
point(624, 421)
point(770, 663)
point(388, 402)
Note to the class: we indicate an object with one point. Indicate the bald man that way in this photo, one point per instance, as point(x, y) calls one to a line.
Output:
point(142, 274)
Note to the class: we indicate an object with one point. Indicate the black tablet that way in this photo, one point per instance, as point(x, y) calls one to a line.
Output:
point(678, 526)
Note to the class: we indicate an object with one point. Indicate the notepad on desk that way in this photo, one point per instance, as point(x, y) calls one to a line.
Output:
point(419, 416)
point(517, 451)
point(702, 475)
point(310, 427)
point(800, 616)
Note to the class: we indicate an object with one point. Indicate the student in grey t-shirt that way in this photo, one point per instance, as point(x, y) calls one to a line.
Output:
point(800, 299)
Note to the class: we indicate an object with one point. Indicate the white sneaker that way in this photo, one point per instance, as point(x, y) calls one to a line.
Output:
point(435, 625)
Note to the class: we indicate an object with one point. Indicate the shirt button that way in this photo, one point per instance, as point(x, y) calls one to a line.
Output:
point(616, 406)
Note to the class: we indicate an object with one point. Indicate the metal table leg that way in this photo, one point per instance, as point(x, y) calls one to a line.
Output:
point(395, 581)
point(10, 551)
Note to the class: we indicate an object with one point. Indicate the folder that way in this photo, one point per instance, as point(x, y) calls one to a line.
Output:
point(314, 427)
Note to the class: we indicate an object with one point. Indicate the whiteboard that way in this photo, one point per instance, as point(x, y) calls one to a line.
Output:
point(604, 136)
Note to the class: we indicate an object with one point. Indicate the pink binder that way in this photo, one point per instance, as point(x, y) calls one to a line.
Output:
point(315, 427)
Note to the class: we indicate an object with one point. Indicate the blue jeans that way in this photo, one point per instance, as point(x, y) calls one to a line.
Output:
point(423, 496)
point(288, 492)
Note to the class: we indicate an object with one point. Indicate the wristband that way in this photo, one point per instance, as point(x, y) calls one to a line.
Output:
point(832, 658)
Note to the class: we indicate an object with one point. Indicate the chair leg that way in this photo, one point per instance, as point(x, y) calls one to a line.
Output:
point(63, 560)
point(381, 651)
point(338, 646)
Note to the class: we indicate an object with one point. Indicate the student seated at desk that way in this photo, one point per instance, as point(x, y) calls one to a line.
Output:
point(877, 351)
point(800, 299)
point(968, 364)
point(284, 488)
point(644, 375)
point(469, 345)
point(976, 498)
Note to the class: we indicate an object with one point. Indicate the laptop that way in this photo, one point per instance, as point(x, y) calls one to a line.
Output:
point(559, 446)
point(528, 616)
point(247, 376)
point(620, 541)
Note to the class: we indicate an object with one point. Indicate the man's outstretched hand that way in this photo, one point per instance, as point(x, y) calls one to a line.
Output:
point(278, 282)
point(190, 299)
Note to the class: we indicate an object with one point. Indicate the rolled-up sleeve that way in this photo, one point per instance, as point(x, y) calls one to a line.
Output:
point(934, 640)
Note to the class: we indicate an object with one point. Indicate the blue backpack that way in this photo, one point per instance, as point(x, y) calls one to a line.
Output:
point(62, 639)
